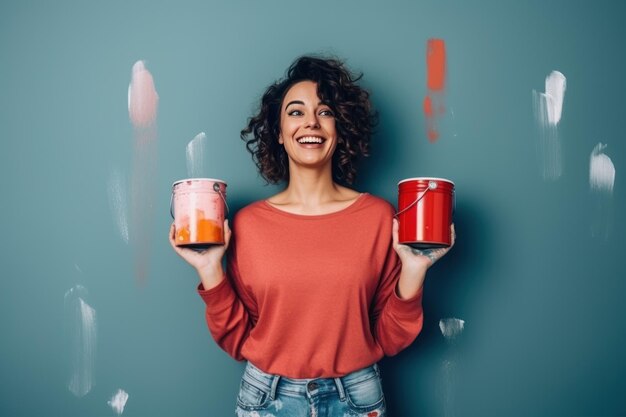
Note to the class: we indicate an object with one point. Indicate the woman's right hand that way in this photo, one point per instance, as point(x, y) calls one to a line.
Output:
point(207, 262)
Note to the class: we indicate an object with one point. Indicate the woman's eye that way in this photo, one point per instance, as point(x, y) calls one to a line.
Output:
point(327, 113)
point(295, 113)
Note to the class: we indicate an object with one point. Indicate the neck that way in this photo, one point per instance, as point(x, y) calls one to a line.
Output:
point(311, 186)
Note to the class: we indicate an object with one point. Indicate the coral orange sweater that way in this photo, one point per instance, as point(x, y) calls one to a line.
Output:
point(312, 296)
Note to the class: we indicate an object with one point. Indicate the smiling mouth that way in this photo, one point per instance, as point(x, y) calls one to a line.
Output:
point(314, 140)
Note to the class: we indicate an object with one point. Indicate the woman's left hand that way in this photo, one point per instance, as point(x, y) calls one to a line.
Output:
point(416, 258)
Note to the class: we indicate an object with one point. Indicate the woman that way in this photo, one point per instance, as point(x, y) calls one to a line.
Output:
point(317, 288)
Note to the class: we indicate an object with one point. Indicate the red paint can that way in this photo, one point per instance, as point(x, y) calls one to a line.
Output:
point(425, 209)
point(198, 206)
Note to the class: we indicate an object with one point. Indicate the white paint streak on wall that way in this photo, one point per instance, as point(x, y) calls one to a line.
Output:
point(548, 109)
point(118, 401)
point(601, 182)
point(601, 170)
point(117, 191)
point(196, 153)
point(555, 94)
point(449, 386)
point(451, 328)
point(84, 337)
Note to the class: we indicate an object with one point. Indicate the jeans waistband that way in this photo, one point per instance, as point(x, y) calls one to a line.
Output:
point(312, 386)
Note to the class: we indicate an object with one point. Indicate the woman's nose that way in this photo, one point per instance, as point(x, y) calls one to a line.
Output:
point(312, 122)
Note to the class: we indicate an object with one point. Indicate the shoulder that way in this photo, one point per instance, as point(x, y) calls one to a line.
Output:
point(250, 212)
point(379, 204)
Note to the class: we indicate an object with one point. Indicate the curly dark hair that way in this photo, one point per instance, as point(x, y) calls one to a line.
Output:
point(355, 119)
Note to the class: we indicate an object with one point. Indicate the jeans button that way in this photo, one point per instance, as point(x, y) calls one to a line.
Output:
point(312, 386)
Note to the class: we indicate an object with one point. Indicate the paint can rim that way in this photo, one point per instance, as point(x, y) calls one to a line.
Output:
point(199, 179)
point(426, 179)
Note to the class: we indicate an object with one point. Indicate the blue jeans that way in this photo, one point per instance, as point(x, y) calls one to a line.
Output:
point(358, 394)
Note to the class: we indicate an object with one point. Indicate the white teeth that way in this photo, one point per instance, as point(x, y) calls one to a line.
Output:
point(310, 139)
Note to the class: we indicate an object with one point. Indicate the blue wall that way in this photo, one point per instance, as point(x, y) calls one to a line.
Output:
point(540, 294)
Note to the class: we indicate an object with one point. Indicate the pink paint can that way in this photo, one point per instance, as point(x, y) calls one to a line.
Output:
point(198, 206)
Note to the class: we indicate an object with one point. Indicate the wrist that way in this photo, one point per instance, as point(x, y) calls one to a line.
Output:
point(413, 269)
point(210, 276)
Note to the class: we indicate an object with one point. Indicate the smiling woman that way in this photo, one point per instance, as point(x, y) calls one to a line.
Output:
point(339, 98)
point(311, 312)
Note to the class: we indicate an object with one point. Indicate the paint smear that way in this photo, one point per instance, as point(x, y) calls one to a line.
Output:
point(434, 103)
point(196, 154)
point(143, 99)
point(601, 181)
point(555, 93)
point(436, 64)
point(451, 328)
point(448, 370)
point(118, 401)
point(116, 188)
point(601, 170)
point(142, 109)
point(82, 323)
point(548, 108)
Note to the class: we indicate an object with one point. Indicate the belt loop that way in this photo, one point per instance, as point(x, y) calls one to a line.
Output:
point(377, 369)
point(275, 379)
point(342, 393)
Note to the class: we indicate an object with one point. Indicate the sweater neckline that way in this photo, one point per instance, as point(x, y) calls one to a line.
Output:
point(353, 206)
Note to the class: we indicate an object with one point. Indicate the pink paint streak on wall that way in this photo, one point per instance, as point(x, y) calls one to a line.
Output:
point(143, 99)
point(433, 104)
point(143, 102)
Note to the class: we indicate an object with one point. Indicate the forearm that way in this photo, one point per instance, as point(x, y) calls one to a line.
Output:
point(411, 281)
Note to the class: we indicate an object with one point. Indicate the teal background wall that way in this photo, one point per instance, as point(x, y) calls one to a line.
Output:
point(542, 299)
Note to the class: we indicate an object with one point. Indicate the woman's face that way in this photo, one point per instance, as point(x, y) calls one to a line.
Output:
point(307, 126)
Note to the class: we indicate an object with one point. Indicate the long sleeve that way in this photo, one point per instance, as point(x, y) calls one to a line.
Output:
point(230, 311)
point(395, 322)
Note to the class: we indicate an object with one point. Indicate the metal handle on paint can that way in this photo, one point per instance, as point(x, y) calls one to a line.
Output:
point(431, 186)
point(217, 189)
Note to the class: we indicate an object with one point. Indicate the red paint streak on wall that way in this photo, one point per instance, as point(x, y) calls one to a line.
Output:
point(436, 64)
point(433, 135)
point(428, 107)
point(435, 82)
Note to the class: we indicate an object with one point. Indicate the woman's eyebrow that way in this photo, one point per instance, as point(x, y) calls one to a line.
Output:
point(301, 102)
point(294, 102)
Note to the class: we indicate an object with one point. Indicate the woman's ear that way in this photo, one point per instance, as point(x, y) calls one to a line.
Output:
point(280, 139)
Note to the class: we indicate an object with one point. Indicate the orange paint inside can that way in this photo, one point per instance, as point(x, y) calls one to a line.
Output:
point(436, 64)
point(200, 231)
